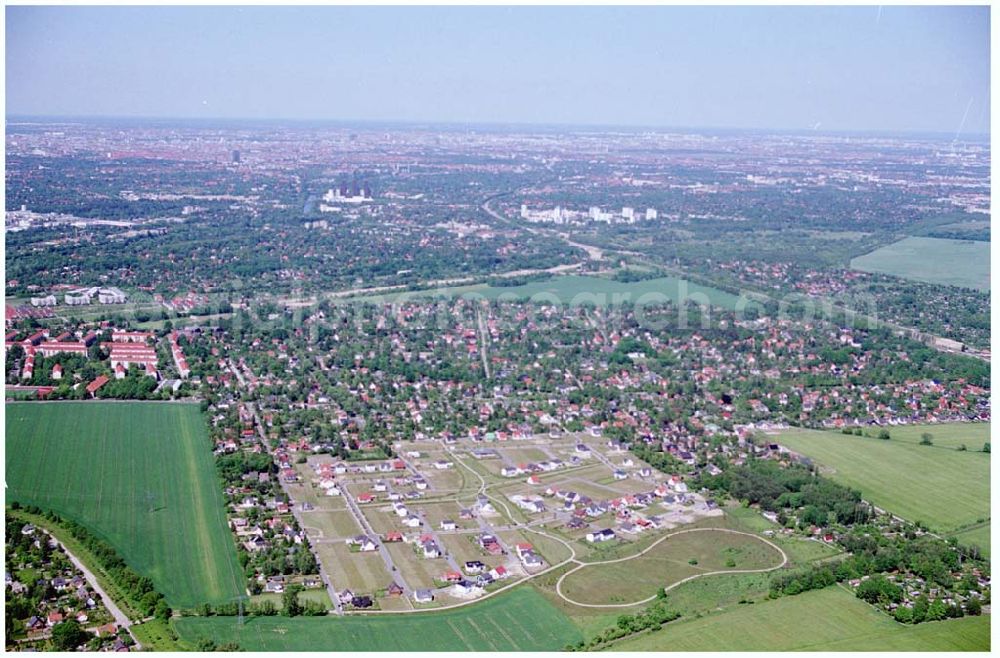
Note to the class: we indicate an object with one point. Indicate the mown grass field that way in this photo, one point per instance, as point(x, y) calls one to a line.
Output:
point(665, 564)
point(521, 620)
point(139, 475)
point(939, 485)
point(944, 435)
point(964, 263)
point(831, 619)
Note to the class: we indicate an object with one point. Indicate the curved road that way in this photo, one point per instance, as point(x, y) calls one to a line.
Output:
point(784, 561)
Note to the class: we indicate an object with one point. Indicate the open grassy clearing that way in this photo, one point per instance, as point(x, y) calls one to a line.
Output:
point(521, 620)
point(575, 290)
point(942, 487)
point(318, 594)
point(418, 571)
point(551, 550)
point(465, 549)
point(363, 573)
point(674, 559)
point(137, 474)
point(943, 435)
point(963, 263)
point(331, 525)
point(156, 635)
point(831, 619)
point(435, 513)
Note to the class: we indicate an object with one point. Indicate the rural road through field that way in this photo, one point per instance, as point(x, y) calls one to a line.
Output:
point(784, 561)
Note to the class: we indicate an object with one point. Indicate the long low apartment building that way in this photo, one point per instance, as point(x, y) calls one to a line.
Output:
point(128, 354)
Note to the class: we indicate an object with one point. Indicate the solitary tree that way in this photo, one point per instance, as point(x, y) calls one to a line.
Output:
point(68, 635)
point(290, 602)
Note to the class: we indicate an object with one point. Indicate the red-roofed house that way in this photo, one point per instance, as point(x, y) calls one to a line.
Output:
point(93, 386)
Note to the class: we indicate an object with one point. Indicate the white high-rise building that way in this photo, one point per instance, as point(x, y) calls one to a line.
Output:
point(524, 211)
point(628, 213)
point(595, 213)
point(651, 213)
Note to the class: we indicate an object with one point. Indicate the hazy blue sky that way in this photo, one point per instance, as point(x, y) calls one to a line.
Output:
point(853, 68)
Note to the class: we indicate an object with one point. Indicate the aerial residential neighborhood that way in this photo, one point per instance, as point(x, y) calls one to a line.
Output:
point(498, 329)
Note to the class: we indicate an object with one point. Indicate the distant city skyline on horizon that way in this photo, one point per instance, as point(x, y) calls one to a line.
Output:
point(796, 70)
point(513, 126)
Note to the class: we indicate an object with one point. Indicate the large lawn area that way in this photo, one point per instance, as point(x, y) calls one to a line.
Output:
point(521, 620)
point(964, 263)
point(939, 485)
point(665, 564)
point(831, 619)
point(138, 474)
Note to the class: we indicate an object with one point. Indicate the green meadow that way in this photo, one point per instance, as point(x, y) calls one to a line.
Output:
point(576, 290)
point(830, 619)
point(963, 263)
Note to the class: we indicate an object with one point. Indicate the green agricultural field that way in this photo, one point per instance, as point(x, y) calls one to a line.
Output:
point(943, 487)
point(138, 474)
point(665, 564)
point(831, 619)
point(521, 620)
point(963, 263)
point(575, 290)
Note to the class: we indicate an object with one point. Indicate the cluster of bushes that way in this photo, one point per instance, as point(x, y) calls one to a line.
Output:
point(632, 276)
point(658, 459)
point(878, 590)
point(208, 644)
point(232, 609)
point(926, 610)
point(652, 618)
point(790, 584)
point(515, 281)
point(139, 589)
point(292, 607)
point(775, 487)
point(232, 467)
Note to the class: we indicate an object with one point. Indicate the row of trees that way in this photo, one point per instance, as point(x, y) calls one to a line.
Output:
point(141, 593)
point(652, 619)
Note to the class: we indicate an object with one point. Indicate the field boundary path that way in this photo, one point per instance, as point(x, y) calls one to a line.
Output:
point(120, 617)
point(784, 561)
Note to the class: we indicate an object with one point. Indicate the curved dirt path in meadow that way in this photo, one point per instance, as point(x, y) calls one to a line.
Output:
point(784, 561)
